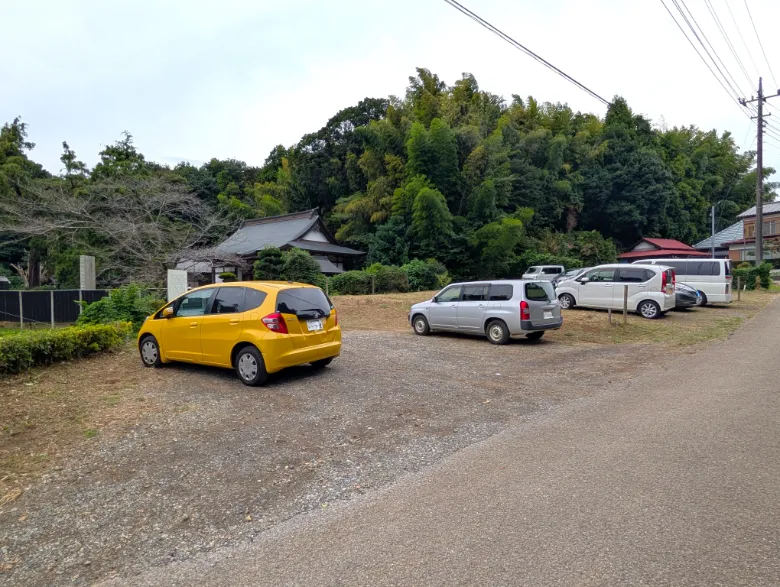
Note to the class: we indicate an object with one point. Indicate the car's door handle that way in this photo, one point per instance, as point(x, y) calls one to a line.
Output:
point(193, 324)
point(481, 306)
point(233, 322)
point(454, 306)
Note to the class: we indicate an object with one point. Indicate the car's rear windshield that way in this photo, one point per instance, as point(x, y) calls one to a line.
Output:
point(539, 292)
point(302, 299)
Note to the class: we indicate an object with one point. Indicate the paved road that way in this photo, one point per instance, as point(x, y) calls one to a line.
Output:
point(672, 479)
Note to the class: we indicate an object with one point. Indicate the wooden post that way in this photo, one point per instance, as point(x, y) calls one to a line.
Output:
point(21, 311)
point(609, 314)
point(758, 283)
point(739, 288)
point(52, 307)
point(625, 304)
point(81, 308)
point(373, 284)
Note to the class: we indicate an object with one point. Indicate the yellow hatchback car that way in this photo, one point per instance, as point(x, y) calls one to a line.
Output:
point(254, 327)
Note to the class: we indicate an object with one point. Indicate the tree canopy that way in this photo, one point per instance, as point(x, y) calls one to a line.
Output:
point(453, 173)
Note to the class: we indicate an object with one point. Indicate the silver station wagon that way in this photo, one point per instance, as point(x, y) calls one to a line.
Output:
point(496, 309)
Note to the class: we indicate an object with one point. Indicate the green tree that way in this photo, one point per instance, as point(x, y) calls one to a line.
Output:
point(269, 265)
point(431, 221)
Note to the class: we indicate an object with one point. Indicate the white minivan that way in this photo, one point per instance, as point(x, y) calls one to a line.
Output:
point(710, 277)
point(650, 289)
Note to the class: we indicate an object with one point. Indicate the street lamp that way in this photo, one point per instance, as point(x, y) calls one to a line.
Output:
point(712, 214)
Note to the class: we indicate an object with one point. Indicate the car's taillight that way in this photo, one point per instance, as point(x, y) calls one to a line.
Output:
point(275, 322)
point(525, 313)
point(663, 281)
point(335, 316)
point(674, 277)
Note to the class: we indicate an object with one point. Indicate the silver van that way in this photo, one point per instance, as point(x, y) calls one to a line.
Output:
point(496, 309)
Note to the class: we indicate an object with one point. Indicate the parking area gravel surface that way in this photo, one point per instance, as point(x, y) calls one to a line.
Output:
point(219, 463)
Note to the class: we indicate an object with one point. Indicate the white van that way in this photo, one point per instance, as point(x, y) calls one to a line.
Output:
point(650, 289)
point(543, 272)
point(710, 277)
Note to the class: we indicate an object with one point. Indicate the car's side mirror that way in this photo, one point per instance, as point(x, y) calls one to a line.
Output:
point(435, 300)
point(584, 279)
point(167, 312)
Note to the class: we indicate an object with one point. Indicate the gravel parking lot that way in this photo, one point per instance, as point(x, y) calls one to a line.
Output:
point(219, 462)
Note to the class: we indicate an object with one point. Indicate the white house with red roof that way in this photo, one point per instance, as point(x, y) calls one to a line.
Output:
point(660, 248)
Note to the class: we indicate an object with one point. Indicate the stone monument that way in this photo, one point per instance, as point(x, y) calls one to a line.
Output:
point(86, 272)
point(177, 283)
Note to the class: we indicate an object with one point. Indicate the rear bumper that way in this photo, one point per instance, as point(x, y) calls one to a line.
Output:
point(528, 326)
point(299, 356)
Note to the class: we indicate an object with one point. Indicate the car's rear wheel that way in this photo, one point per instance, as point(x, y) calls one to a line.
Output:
point(250, 366)
point(566, 301)
point(701, 300)
point(649, 309)
point(322, 363)
point(150, 352)
point(497, 332)
point(420, 325)
point(535, 335)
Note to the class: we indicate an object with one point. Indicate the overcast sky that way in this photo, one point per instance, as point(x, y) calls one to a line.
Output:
point(195, 80)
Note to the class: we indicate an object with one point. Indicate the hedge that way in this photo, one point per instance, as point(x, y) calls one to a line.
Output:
point(351, 283)
point(749, 273)
point(25, 349)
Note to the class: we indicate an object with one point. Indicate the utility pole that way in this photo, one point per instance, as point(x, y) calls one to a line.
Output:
point(712, 239)
point(759, 167)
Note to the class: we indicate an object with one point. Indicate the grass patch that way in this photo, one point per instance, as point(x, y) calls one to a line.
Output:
point(50, 410)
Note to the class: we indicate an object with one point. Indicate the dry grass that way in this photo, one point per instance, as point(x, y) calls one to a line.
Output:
point(390, 311)
point(51, 410)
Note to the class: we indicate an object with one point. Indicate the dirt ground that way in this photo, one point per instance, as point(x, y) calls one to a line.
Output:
point(108, 468)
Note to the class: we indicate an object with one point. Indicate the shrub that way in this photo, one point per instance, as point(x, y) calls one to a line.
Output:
point(422, 275)
point(26, 349)
point(748, 274)
point(228, 276)
point(269, 264)
point(300, 266)
point(351, 283)
point(128, 303)
point(389, 278)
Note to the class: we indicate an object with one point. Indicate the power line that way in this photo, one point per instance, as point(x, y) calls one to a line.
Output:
point(524, 49)
point(723, 32)
point(734, 20)
point(682, 30)
point(760, 44)
point(738, 91)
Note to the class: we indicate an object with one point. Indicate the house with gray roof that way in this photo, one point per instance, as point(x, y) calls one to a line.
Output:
point(721, 240)
point(300, 230)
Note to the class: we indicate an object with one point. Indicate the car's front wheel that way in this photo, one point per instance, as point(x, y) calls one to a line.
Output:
point(250, 366)
point(150, 352)
point(420, 325)
point(649, 309)
point(566, 301)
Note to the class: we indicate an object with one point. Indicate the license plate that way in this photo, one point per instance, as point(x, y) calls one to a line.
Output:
point(313, 325)
point(548, 315)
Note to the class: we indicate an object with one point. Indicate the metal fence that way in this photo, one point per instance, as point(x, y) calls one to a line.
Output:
point(45, 307)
